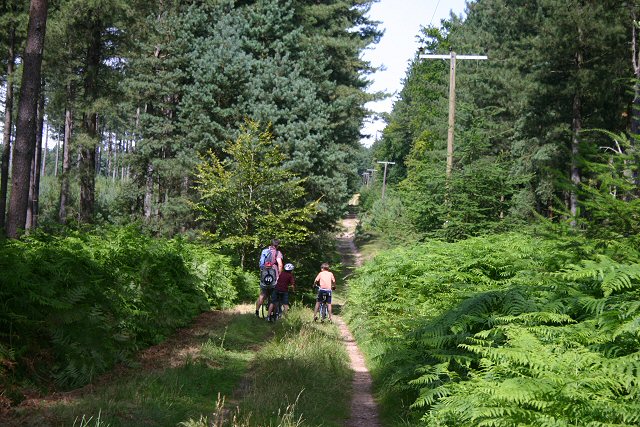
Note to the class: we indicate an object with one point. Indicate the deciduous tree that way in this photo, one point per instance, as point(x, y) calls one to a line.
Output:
point(248, 197)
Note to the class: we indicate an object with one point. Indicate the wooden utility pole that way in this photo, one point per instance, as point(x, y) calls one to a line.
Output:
point(452, 99)
point(384, 176)
point(371, 171)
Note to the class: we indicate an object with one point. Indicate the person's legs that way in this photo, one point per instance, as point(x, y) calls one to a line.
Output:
point(260, 301)
point(283, 300)
point(315, 311)
point(329, 294)
point(272, 304)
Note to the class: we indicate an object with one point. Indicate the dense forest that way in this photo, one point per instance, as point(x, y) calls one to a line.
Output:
point(137, 93)
point(152, 148)
point(544, 128)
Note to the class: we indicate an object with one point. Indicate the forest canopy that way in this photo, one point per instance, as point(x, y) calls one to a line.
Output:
point(546, 127)
point(135, 93)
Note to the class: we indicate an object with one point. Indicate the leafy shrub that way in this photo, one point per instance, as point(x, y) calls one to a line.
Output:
point(505, 330)
point(73, 306)
point(386, 218)
point(215, 276)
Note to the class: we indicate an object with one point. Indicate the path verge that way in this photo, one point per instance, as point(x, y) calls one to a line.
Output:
point(167, 384)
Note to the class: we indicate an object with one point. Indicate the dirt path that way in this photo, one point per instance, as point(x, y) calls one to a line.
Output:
point(364, 411)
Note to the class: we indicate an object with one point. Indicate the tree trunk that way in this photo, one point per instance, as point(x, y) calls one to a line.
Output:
point(45, 150)
point(99, 154)
point(26, 126)
point(55, 171)
point(87, 166)
point(635, 105)
point(125, 167)
point(116, 144)
point(148, 193)
point(34, 183)
point(66, 154)
point(8, 113)
point(576, 128)
point(34, 191)
point(109, 154)
point(575, 151)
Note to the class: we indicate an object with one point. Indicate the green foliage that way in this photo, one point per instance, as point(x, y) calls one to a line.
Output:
point(201, 69)
point(248, 197)
point(75, 305)
point(297, 372)
point(520, 119)
point(166, 391)
point(610, 197)
point(386, 218)
point(503, 330)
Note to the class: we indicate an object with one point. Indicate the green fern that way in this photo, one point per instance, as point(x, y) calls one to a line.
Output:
point(73, 306)
point(504, 330)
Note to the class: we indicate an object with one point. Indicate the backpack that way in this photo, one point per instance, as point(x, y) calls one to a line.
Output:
point(267, 269)
point(266, 258)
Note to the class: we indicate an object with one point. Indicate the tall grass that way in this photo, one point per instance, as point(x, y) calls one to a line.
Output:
point(215, 362)
point(299, 378)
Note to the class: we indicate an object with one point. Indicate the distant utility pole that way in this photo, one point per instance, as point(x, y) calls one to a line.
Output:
point(365, 178)
point(371, 171)
point(452, 99)
point(384, 176)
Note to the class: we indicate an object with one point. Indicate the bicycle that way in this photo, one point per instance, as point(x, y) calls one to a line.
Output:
point(264, 308)
point(323, 309)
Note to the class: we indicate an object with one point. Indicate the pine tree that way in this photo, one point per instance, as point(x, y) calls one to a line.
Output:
point(13, 17)
point(557, 70)
point(26, 123)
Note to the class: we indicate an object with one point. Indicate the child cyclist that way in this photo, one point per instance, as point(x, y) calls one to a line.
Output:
point(281, 291)
point(326, 282)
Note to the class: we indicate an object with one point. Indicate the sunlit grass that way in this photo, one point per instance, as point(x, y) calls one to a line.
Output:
point(164, 397)
point(302, 377)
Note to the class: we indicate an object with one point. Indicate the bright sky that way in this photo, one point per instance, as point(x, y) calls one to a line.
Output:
point(401, 20)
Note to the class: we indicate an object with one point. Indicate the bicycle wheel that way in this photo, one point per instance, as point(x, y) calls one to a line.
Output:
point(264, 308)
point(323, 311)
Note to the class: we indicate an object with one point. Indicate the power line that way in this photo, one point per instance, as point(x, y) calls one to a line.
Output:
point(434, 13)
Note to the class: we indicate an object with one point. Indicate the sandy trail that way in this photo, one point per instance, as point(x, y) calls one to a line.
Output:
point(364, 411)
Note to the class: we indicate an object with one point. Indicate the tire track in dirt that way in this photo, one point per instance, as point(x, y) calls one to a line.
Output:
point(364, 411)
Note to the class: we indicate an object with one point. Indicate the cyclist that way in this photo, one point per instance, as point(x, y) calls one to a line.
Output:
point(272, 253)
point(281, 291)
point(326, 282)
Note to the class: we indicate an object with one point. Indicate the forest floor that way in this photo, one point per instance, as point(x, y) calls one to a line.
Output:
point(184, 347)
